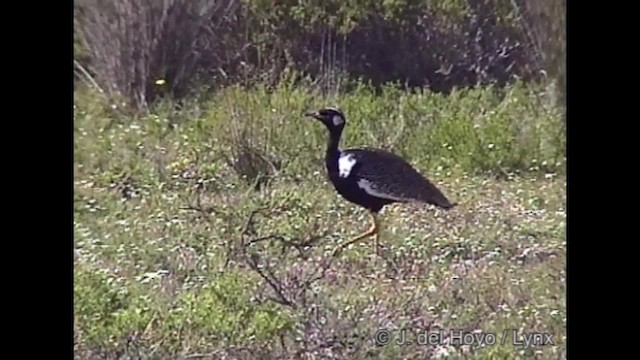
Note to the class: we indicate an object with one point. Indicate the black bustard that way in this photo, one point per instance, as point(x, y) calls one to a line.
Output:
point(372, 178)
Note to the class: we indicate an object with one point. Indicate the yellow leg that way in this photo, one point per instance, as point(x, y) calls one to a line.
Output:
point(373, 230)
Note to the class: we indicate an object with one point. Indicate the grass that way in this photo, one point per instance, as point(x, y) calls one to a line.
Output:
point(205, 232)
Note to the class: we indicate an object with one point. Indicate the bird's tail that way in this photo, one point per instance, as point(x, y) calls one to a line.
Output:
point(432, 195)
point(438, 199)
point(442, 203)
point(450, 206)
point(445, 204)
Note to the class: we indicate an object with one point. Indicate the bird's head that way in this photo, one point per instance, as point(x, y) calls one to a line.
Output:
point(331, 117)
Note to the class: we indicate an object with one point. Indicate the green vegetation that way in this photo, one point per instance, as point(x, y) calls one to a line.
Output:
point(176, 245)
point(203, 220)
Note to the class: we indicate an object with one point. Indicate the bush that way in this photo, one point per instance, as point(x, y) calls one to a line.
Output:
point(133, 44)
point(260, 134)
point(439, 44)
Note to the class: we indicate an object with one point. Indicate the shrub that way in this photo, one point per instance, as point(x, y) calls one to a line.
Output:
point(439, 44)
point(133, 44)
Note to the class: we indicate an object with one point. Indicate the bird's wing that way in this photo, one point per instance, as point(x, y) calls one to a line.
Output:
point(386, 175)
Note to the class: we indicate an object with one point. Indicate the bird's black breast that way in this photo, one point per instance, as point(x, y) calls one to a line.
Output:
point(345, 180)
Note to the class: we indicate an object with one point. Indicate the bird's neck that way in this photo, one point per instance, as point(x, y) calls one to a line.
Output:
point(333, 145)
point(333, 154)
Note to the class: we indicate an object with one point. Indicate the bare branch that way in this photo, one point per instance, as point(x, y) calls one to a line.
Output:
point(270, 278)
point(87, 76)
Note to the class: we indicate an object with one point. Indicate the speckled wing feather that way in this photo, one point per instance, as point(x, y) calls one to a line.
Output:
point(388, 175)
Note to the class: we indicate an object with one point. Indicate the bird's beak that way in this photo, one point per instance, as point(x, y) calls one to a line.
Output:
point(313, 115)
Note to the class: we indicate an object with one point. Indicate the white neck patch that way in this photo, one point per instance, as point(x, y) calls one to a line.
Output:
point(345, 164)
point(337, 120)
